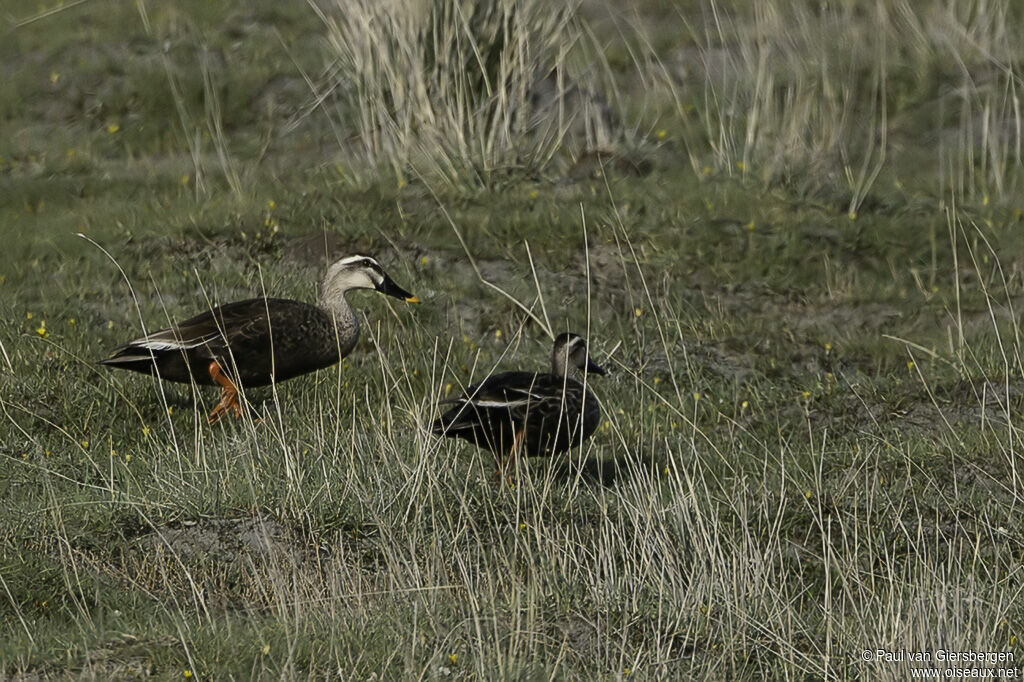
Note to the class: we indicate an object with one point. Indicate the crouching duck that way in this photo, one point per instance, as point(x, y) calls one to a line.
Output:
point(260, 340)
point(535, 414)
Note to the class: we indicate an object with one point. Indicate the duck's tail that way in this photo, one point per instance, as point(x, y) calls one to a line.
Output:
point(455, 420)
point(133, 358)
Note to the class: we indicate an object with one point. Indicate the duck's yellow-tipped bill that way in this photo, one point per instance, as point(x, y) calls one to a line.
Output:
point(413, 299)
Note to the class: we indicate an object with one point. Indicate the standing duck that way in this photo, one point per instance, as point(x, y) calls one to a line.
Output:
point(260, 340)
point(523, 412)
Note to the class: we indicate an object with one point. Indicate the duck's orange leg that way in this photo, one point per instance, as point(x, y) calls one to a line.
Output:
point(228, 396)
point(505, 470)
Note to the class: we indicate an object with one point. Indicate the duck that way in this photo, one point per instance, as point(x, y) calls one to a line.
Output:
point(527, 413)
point(259, 341)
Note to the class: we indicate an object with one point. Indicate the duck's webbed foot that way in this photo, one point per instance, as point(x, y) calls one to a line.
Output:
point(228, 396)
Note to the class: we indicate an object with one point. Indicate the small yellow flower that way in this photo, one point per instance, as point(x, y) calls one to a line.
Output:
point(744, 405)
point(54, 77)
point(497, 333)
point(626, 671)
point(522, 526)
point(638, 312)
point(28, 316)
point(145, 431)
point(662, 134)
point(828, 346)
point(664, 471)
point(271, 205)
point(534, 194)
point(1013, 640)
point(454, 658)
point(808, 495)
point(740, 166)
point(696, 397)
point(657, 380)
point(266, 649)
point(447, 388)
point(187, 674)
point(184, 179)
point(71, 321)
point(806, 395)
point(852, 215)
point(110, 324)
point(127, 458)
point(910, 364)
point(706, 170)
point(984, 200)
point(24, 455)
point(424, 260)
point(751, 226)
point(170, 409)
point(85, 444)
point(113, 128)
point(41, 330)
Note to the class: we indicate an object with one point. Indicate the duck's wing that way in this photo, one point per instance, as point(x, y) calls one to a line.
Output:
point(512, 395)
point(207, 335)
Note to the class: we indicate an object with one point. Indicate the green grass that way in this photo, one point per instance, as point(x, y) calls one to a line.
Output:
point(809, 444)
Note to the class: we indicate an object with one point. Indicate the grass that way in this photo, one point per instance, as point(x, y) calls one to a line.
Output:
point(809, 444)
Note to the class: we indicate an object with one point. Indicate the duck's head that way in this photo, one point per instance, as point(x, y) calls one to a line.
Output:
point(571, 351)
point(361, 272)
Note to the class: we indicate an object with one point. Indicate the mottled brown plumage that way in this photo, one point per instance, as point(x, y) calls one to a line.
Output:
point(260, 340)
point(526, 413)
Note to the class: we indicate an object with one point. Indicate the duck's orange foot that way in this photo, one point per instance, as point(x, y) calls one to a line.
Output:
point(228, 397)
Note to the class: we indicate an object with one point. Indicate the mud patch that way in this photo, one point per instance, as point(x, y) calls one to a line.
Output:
point(225, 539)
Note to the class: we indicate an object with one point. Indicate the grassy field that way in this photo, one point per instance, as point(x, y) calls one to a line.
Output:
point(793, 233)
